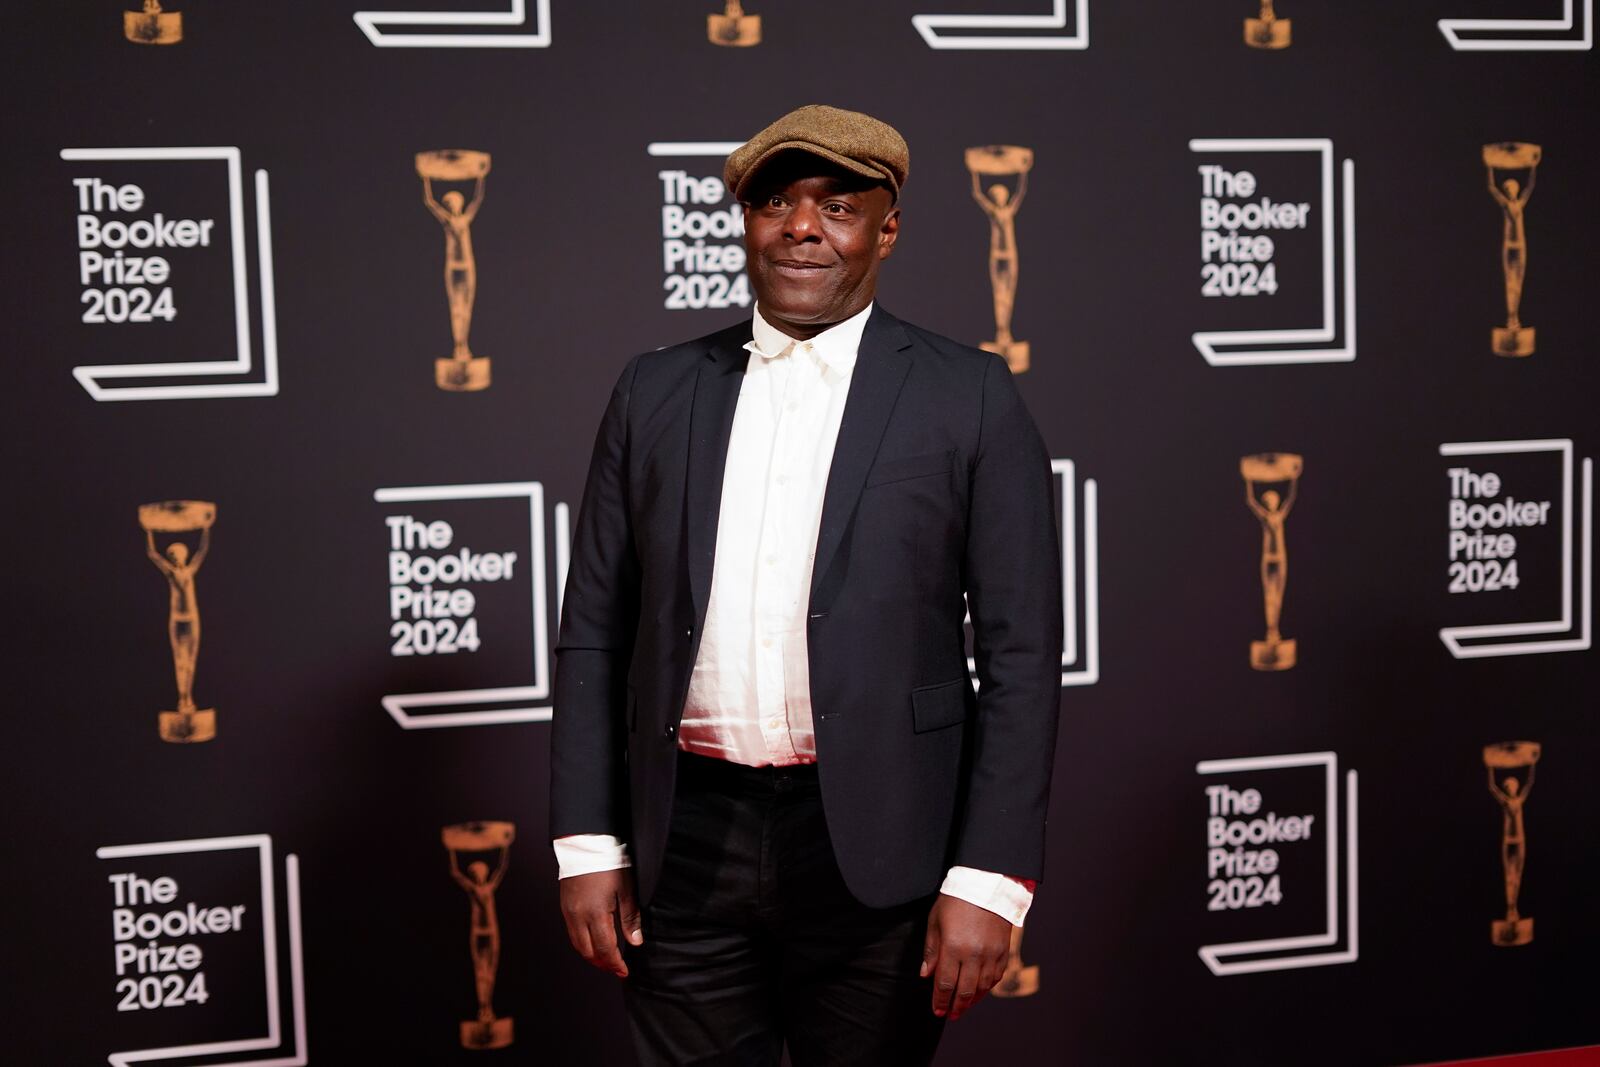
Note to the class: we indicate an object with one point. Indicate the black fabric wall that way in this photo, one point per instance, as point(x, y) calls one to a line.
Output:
point(356, 717)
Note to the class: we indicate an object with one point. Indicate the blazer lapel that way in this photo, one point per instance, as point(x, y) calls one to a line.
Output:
point(880, 371)
point(716, 394)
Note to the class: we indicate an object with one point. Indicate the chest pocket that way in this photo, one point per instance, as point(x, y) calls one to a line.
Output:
point(904, 468)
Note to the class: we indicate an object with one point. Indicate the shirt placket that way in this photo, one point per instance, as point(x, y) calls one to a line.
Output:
point(772, 586)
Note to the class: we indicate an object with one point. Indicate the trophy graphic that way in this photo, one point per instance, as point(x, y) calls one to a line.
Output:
point(1018, 981)
point(733, 28)
point(188, 723)
point(1000, 203)
point(152, 25)
point(486, 1031)
point(1512, 339)
point(461, 371)
point(1271, 506)
point(1512, 792)
point(1268, 31)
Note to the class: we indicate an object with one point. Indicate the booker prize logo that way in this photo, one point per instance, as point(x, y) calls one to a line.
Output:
point(1271, 481)
point(1270, 256)
point(480, 879)
point(1267, 30)
point(152, 25)
point(1504, 161)
point(467, 579)
point(733, 28)
point(999, 182)
point(1005, 31)
point(1079, 528)
point(459, 29)
point(1510, 765)
point(1573, 31)
point(195, 947)
point(1512, 529)
point(461, 371)
point(702, 228)
point(1273, 859)
point(162, 269)
point(179, 565)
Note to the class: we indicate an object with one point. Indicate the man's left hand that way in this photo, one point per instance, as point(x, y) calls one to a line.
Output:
point(966, 951)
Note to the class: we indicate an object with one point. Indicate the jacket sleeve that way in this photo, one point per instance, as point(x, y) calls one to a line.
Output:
point(599, 614)
point(1012, 573)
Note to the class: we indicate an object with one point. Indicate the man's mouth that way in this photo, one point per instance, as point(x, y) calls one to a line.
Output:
point(798, 266)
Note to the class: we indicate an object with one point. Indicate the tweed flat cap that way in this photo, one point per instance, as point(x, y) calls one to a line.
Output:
point(858, 143)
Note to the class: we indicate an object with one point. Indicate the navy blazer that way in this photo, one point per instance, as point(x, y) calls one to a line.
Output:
point(940, 486)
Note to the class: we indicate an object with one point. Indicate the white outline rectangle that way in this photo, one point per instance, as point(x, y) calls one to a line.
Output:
point(928, 25)
point(1206, 341)
point(269, 938)
point(90, 375)
point(1089, 673)
point(1452, 636)
point(1452, 29)
point(1212, 955)
point(371, 21)
point(396, 704)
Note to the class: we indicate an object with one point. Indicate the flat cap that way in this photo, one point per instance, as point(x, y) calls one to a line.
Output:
point(859, 143)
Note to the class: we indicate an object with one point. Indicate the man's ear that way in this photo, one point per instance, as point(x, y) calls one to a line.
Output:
point(888, 232)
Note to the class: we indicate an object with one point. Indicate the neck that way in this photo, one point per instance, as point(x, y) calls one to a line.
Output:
point(805, 331)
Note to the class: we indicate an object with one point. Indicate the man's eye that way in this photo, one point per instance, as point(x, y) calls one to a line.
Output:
point(774, 201)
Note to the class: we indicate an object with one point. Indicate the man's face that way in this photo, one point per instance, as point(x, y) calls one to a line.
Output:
point(815, 234)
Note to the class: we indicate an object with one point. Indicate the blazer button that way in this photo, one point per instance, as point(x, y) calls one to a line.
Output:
point(671, 732)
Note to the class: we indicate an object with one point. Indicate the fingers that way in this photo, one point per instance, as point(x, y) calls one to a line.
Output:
point(930, 950)
point(603, 936)
point(591, 905)
point(966, 993)
point(946, 973)
point(628, 912)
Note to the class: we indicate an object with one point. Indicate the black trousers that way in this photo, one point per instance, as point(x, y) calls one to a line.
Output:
point(752, 940)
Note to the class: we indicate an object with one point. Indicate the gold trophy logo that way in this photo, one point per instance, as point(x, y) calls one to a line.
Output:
point(1000, 202)
point(461, 371)
point(733, 28)
point(188, 723)
point(1267, 31)
point(1512, 339)
point(480, 882)
point(1510, 765)
point(152, 25)
point(1018, 980)
point(1271, 505)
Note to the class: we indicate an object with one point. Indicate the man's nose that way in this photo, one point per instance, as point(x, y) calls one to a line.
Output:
point(804, 223)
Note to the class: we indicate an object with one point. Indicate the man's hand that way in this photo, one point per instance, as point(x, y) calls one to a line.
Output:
point(966, 951)
point(593, 906)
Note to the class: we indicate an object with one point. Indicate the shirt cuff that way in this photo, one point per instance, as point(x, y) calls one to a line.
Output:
point(589, 854)
point(1006, 897)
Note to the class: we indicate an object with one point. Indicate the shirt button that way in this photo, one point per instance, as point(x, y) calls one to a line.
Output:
point(671, 732)
point(772, 724)
point(766, 642)
point(771, 560)
point(793, 405)
point(783, 479)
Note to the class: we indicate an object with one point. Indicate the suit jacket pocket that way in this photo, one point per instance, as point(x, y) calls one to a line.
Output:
point(939, 705)
point(918, 466)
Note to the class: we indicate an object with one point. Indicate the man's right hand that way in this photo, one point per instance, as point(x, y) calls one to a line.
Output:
point(594, 905)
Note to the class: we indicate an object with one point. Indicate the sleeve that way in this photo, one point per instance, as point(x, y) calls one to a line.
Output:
point(599, 614)
point(1012, 574)
point(589, 854)
point(1006, 897)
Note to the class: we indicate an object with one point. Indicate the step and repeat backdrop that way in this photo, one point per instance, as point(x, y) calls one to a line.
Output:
point(312, 311)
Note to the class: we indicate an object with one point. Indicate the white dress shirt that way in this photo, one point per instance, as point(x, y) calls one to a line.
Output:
point(749, 697)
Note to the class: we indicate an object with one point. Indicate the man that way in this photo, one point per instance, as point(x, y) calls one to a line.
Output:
point(769, 767)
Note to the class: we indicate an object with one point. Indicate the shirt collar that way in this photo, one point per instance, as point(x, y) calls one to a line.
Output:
point(836, 346)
